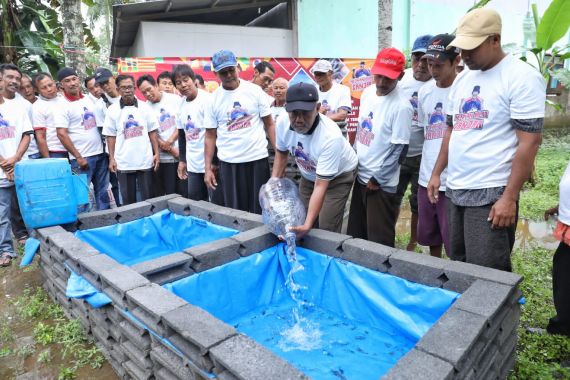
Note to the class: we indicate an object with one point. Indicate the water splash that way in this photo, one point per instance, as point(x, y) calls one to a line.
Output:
point(304, 335)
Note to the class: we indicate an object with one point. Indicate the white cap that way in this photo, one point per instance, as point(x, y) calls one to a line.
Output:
point(321, 66)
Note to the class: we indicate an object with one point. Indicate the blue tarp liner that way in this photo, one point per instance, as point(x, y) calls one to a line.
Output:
point(153, 236)
point(30, 249)
point(365, 320)
point(79, 287)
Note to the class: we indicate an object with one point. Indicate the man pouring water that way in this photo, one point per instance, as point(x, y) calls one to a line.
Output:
point(325, 159)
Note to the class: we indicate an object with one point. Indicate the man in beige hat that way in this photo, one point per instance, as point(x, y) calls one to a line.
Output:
point(495, 118)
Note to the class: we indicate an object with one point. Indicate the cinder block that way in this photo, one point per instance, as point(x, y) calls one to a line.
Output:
point(177, 260)
point(226, 375)
point(150, 303)
point(325, 242)
point(141, 358)
point(118, 354)
point(461, 275)
point(484, 298)
point(134, 211)
point(507, 366)
point(135, 334)
point(454, 337)
point(508, 326)
point(92, 267)
point(486, 361)
point(246, 359)
point(137, 372)
point(169, 275)
point(45, 232)
point(225, 216)
point(115, 331)
point(60, 271)
point(115, 314)
point(367, 254)
point(95, 219)
point(78, 249)
point(417, 364)
point(166, 357)
point(103, 336)
point(423, 269)
point(197, 326)
point(163, 373)
point(244, 221)
point(213, 254)
point(255, 240)
point(180, 205)
point(161, 203)
point(118, 281)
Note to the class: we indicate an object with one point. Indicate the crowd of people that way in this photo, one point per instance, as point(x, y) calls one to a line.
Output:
point(465, 140)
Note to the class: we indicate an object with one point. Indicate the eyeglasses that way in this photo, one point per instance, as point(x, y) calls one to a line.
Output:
point(126, 88)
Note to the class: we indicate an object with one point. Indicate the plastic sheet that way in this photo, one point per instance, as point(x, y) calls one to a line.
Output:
point(154, 236)
point(79, 287)
point(247, 292)
point(30, 250)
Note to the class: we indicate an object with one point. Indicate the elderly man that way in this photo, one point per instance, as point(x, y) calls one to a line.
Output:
point(131, 131)
point(489, 152)
point(325, 158)
point(235, 123)
point(381, 140)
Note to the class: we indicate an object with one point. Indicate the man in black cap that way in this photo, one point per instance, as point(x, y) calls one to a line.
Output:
point(325, 158)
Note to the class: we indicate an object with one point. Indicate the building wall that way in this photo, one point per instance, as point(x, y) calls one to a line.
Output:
point(343, 28)
point(164, 39)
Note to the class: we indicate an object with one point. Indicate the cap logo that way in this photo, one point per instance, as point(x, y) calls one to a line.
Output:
point(388, 61)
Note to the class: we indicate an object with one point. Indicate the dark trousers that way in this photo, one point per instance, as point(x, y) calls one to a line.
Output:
point(409, 174)
point(241, 183)
point(18, 227)
point(373, 215)
point(166, 180)
point(198, 191)
point(560, 324)
point(128, 184)
point(472, 239)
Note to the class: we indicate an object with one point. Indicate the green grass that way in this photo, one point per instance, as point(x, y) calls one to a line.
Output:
point(538, 355)
point(552, 159)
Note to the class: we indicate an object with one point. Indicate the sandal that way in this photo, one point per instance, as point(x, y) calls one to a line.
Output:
point(22, 240)
point(5, 260)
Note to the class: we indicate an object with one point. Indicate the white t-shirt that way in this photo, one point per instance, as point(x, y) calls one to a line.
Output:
point(165, 112)
point(370, 90)
point(43, 118)
point(382, 121)
point(33, 147)
point(79, 120)
point(237, 116)
point(13, 122)
point(191, 120)
point(338, 96)
point(131, 125)
point(324, 154)
point(564, 206)
point(432, 103)
point(410, 88)
point(279, 112)
point(484, 142)
point(101, 108)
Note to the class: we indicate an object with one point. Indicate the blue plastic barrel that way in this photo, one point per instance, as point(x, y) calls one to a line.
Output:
point(48, 192)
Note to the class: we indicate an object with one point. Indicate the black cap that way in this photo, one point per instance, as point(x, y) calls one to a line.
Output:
point(301, 96)
point(437, 48)
point(65, 72)
point(102, 75)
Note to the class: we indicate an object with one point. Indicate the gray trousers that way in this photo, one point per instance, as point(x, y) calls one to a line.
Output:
point(472, 239)
point(330, 217)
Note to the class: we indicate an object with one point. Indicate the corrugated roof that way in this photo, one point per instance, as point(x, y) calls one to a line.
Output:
point(127, 17)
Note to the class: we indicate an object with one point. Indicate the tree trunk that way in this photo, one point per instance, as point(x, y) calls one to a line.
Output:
point(72, 26)
point(384, 24)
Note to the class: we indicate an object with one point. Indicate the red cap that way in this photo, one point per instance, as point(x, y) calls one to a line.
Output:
point(390, 62)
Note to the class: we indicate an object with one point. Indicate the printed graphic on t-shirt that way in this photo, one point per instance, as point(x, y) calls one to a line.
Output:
point(471, 112)
point(7, 131)
point(414, 103)
point(88, 119)
point(364, 135)
point(192, 133)
point(132, 128)
point(436, 123)
point(239, 118)
point(166, 120)
point(326, 106)
point(303, 159)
